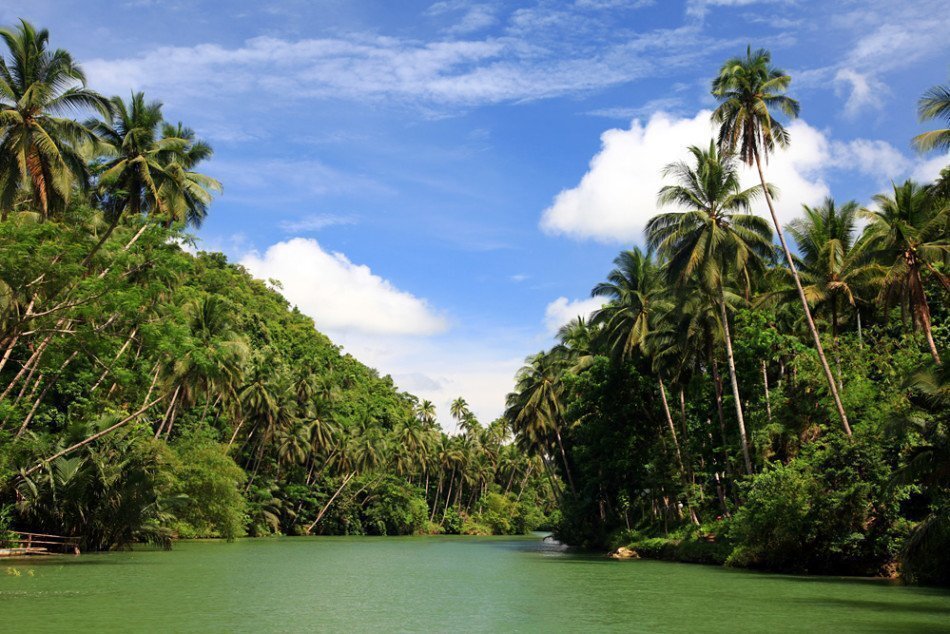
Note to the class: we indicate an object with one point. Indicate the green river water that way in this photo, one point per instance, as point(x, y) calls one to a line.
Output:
point(445, 584)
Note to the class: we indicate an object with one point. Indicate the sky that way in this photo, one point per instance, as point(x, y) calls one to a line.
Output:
point(440, 184)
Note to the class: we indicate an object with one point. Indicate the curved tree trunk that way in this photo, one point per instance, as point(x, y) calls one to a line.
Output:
point(801, 294)
point(567, 470)
point(743, 439)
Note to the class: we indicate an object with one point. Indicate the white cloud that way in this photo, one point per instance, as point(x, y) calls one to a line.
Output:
point(341, 296)
point(562, 310)
point(474, 17)
point(699, 8)
point(929, 169)
point(864, 91)
point(537, 53)
point(665, 104)
point(878, 159)
point(315, 222)
point(617, 195)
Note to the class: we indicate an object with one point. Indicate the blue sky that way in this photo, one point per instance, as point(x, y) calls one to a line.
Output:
point(440, 184)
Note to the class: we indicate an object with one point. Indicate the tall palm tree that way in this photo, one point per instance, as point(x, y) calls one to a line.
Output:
point(635, 290)
point(749, 89)
point(459, 410)
point(39, 148)
point(425, 412)
point(832, 272)
point(145, 171)
point(714, 241)
point(907, 234)
point(536, 407)
point(934, 104)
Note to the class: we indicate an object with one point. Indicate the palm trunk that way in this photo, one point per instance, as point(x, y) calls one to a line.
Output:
point(39, 399)
point(168, 412)
point(92, 438)
point(121, 351)
point(448, 497)
point(801, 294)
point(438, 496)
point(722, 418)
point(743, 439)
point(669, 423)
point(567, 470)
point(765, 383)
point(326, 506)
point(524, 481)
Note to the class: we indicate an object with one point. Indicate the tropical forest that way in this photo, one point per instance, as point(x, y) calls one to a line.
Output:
point(749, 392)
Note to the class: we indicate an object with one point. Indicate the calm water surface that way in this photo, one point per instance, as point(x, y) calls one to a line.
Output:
point(354, 584)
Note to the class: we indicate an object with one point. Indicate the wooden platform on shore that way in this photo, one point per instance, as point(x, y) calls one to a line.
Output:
point(23, 544)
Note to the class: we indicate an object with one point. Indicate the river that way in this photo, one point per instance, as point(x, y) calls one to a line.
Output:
point(359, 584)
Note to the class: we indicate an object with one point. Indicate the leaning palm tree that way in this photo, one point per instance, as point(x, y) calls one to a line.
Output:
point(907, 234)
point(714, 241)
point(749, 88)
point(935, 104)
point(536, 408)
point(39, 148)
point(635, 289)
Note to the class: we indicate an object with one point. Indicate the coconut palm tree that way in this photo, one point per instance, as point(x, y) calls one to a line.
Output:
point(635, 292)
point(908, 234)
point(749, 90)
point(714, 241)
point(934, 104)
point(39, 148)
point(536, 408)
point(830, 267)
point(459, 409)
point(146, 172)
point(425, 412)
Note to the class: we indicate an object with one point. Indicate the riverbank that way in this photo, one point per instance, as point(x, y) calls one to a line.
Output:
point(698, 547)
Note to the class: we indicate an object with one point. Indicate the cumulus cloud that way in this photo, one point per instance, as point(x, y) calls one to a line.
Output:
point(864, 91)
point(342, 296)
point(617, 195)
point(562, 310)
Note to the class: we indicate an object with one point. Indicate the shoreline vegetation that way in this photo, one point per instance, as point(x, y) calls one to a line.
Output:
point(732, 402)
point(150, 392)
point(738, 402)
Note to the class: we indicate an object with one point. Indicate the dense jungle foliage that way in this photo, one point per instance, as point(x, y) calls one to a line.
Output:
point(735, 402)
point(150, 392)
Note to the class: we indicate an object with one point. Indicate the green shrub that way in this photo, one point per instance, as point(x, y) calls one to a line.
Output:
point(211, 483)
point(827, 510)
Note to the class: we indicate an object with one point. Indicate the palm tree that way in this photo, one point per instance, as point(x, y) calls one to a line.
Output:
point(712, 241)
point(830, 266)
point(908, 233)
point(144, 173)
point(536, 409)
point(459, 410)
point(635, 289)
point(39, 150)
point(934, 104)
point(425, 412)
point(748, 90)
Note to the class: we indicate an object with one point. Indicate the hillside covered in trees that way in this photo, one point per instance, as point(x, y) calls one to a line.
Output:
point(755, 394)
point(150, 393)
